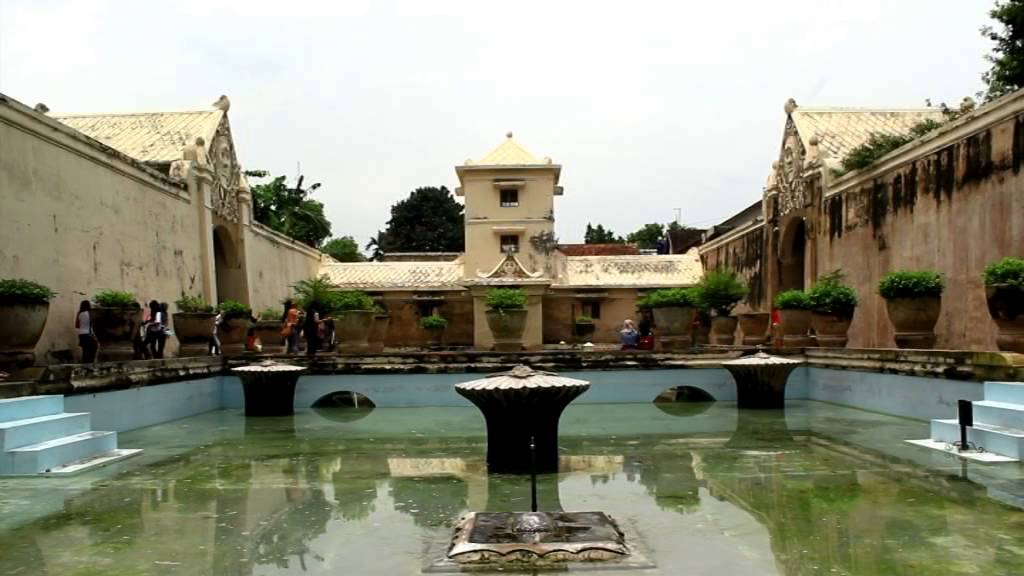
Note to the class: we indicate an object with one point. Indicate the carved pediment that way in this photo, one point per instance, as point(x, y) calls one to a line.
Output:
point(510, 268)
point(227, 175)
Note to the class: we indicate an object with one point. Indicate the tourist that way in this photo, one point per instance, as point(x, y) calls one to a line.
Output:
point(214, 339)
point(312, 328)
point(165, 324)
point(86, 337)
point(628, 336)
point(290, 331)
point(154, 330)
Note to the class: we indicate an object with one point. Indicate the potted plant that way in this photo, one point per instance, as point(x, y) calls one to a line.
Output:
point(913, 299)
point(720, 291)
point(832, 307)
point(116, 318)
point(754, 327)
point(583, 327)
point(794, 317)
point(24, 305)
point(233, 327)
point(353, 313)
point(268, 331)
point(506, 317)
point(1004, 290)
point(674, 310)
point(379, 330)
point(193, 325)
point(434, 325)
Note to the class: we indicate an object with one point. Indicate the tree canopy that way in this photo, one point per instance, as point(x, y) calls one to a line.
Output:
point(598, 235)
point(1007, 57)
point(344, 249)
point(429, 220)
point(647, 236)
point(289, 211)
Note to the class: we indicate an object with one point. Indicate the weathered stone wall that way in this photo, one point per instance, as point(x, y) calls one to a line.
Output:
point(953, 204)
point(562, 307)
point(275, 263)
point(743, 254)
point(406, 310)
point(81, 219)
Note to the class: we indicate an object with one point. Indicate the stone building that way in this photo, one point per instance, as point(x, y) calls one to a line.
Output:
point(509, 218)
point(152, 203)
point(950, 201)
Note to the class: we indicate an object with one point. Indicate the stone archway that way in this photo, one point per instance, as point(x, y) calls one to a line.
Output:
point(229, 267)
point(793, 255)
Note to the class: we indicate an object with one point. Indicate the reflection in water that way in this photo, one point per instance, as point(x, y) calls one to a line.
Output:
point(309, 496)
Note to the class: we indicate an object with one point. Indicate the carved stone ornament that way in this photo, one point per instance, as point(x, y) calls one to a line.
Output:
point(226, 174)
point(790, 177)
point(510, 268)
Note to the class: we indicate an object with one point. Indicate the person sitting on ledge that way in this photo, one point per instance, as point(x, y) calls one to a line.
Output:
point(628, 336)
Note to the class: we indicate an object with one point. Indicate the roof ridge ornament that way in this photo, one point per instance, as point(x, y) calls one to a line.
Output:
point(509, 268)
point(790, 107)
point(223, 103)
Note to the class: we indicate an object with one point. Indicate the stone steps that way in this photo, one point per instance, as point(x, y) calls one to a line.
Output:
point(38, 437)
point(998, 422)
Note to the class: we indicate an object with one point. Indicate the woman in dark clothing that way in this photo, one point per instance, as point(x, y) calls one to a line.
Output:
point(161, 338)
point(312, 330)
point(86, 337)
point(154, 329)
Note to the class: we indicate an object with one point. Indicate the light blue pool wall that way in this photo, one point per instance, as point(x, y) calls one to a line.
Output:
point(916, 397)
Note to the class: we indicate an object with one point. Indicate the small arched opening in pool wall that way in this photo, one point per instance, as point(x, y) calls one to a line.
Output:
point(344, 406)
point(684, 401)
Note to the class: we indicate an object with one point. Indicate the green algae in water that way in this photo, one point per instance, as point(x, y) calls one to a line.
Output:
point(819, 490)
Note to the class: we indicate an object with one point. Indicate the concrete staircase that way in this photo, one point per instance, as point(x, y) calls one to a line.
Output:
point(38, 437)
point(998, 421)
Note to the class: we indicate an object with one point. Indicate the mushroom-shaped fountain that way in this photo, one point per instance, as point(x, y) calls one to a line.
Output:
point(761, 380)
point(269, 388)
point(522, 408)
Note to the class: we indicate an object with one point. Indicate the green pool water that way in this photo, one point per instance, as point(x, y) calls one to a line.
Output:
point(707, 490)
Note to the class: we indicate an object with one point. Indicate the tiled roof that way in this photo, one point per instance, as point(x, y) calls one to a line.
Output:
point(509, 153)
point(156, 137)
point(631, 271)
point(839, 130)
point(395, 275)
point(598, 249)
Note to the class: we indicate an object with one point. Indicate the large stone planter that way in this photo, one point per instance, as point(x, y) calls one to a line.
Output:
point(830, 329)
point(20, 330)
point(507, 327)
point(913, 320)
point(434, 338)
point(583, 331)
point(1006, 305)
point(269, 334)
point(793, 325)
point(232, 334)
point(352, 331)
point(754, 327)
point(193, 330)
point(115, 328)
point(674, 327)
point(378, 332)
point(723, 330)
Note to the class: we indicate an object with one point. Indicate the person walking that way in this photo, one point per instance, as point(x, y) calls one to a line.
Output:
point(86, 337)
point(165, 328)
point(154, 330)
point(214, 339)
point(291, 327)
point(312, 330)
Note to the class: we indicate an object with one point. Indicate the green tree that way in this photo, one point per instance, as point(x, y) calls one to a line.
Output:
point(598, 235)
point(429, 220)
point(289, 211)
point(647, 236)
point(376, 246)
point(1007, 57)
point(343, 249)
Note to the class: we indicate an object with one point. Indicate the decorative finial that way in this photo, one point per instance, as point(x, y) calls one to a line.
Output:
point(508, 134)
point(790, 106)
point(41, 108)
point(200, 141)
point(222, 103)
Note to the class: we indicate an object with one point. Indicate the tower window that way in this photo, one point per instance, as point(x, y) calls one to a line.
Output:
point(509, 197)
point(509, 244)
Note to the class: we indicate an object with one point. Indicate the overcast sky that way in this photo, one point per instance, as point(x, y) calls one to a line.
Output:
point(648, 106)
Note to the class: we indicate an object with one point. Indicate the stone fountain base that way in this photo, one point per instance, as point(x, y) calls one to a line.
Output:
point(537, 541)
point(269, 388)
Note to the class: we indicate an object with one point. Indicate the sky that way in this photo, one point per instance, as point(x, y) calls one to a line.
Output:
point(649, 107)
